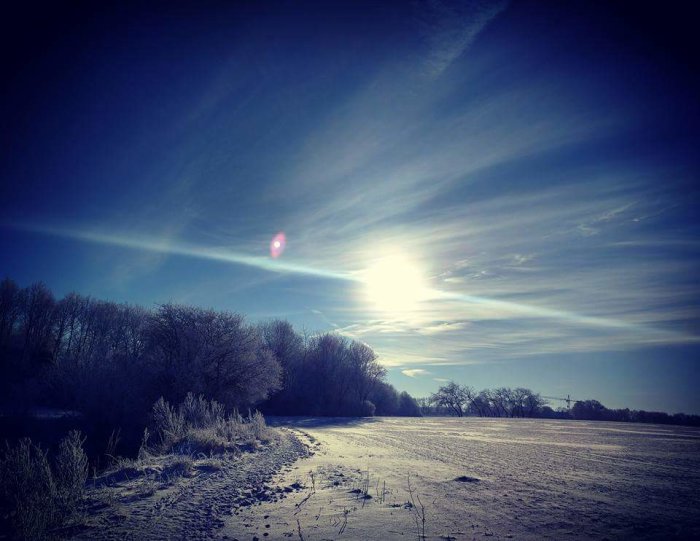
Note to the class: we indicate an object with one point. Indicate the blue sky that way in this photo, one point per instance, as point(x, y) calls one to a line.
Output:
point(534, 164)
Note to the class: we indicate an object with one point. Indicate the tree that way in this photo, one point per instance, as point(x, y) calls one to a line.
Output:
point(453, 396)
point(288, 347)
point(532, 403)
point(589, 410)
point(211, 353)
point(502, 400)
point(365, 371)
point(482, 405)
point(36, 322)
point(385, 398)
point(9, 311)
point(408, 407)
point(328, 374)
point(282, 340)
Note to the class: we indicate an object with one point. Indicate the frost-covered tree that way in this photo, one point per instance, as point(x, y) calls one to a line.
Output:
point(211, 353)
point(453, 396)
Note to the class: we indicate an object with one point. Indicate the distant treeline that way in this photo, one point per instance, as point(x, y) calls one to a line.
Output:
point(461, 400)
point(595, 411)
point(110, 362)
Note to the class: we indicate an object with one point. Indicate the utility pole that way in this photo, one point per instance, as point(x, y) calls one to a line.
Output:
point(568, 400)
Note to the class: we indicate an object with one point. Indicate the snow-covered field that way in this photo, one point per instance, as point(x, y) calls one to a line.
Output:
point(319, 479)
point(478, 478)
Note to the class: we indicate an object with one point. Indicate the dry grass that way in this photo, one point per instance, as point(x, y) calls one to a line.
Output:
point(199, 426)
point(71, 472)
point(195, 436)
point(39, 498)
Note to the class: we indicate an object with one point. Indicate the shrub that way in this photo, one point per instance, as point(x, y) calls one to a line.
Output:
point(199, 426)
point(36, 497)
point(201, 441)
point(168, 424)
point(367, 409)
point(199, 412)
point(71, 472)
point(231, 428)
point(408, 407)
point(28, 490)
point(258, 426)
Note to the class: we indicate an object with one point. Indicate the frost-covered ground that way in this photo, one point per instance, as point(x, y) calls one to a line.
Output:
point(180, 497)
point(520, 479)
point(470, 478)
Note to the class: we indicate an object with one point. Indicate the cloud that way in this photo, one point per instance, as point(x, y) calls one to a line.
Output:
point(603, 293)
point(442, 327)
point(451, 27)
point(521, 259)
point(608, 303)
point(525, 255)
point(593, 226)
point(171, 246)
point(413, 372)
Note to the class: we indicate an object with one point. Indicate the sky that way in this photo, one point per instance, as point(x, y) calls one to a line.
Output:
point(497, 193)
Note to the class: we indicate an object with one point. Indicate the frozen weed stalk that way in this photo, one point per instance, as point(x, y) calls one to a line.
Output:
point(418, 510)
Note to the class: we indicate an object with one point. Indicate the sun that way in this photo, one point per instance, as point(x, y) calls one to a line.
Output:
point(394, 284)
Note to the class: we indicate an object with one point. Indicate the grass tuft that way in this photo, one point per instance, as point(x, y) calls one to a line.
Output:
point(37, 498)
point(200, 427)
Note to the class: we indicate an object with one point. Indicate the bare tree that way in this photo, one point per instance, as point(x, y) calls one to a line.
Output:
point(37, 318)
point(330, 373)
point(453, 396)
point(408, 406)
point(385, 398)
point(480, 405)
point(366, 372)
point(288, 347)
point(210, 353)
point(10, 310)
point(503, 401)
point(534, 403)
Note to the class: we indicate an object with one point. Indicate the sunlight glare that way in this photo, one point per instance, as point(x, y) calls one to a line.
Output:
point(394, 285)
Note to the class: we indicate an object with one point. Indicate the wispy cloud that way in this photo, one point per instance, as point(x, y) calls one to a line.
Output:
point(451, 27)
point(414, 372)
point(527, 249)
point(582, 295)
point(174, 247)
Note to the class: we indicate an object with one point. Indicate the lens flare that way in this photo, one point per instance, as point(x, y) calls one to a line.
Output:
point(277, 244)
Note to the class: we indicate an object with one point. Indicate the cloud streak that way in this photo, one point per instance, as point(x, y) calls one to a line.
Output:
point(496, 181)
point(451, 27)
point(172, 247)
point(494, 308)
point(414, 372)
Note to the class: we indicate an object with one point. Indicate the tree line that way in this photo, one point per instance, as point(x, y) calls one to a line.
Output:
point(593, 410)
point(109, 362)
point(460, 400)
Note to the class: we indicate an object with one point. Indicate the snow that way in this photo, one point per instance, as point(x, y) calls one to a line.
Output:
point(473, 478)
point(527, 479)
point(148, 503)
